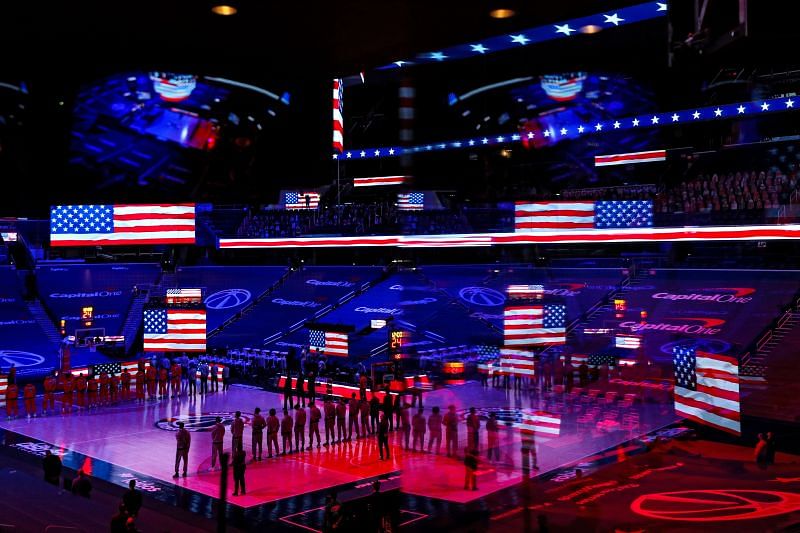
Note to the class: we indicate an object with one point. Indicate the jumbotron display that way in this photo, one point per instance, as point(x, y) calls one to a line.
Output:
point(91, 225)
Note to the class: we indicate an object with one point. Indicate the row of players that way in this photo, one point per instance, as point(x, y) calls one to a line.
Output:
point(341, 419)
point(105, 389)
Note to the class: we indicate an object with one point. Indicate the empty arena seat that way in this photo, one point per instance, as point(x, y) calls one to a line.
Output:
point(228, 289)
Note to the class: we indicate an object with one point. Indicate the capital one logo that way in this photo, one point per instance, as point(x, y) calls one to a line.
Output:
point(722, 295)
point(715, 505)
point(565, 289)
point(483, 296)
point(227, 299)
point(696, 326)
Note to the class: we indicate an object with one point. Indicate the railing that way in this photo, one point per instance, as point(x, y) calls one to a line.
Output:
point(762, 341)
point(346, 298)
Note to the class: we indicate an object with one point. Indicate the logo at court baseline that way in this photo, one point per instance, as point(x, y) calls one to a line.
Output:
point(200, 422)
point(696, 326)
point(722, 295)
point(227, 299)
point(482, 296)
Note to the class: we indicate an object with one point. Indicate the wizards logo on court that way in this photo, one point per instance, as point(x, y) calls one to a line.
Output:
point(200, 422)
point(715, 505)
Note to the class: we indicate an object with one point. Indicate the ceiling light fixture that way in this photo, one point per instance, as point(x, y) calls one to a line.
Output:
point(502, 13)
point(224, 10)
point(590, 28)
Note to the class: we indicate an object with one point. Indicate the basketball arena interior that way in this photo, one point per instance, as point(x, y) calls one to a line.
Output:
point(526, 266)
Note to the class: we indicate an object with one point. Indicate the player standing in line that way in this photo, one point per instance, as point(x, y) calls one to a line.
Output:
point(313, 425)
point(258, 426)
point(273, 427)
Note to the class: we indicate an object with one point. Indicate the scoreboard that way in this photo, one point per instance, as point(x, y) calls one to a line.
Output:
point(397, 344)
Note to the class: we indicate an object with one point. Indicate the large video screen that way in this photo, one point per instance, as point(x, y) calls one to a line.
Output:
point(145, 224)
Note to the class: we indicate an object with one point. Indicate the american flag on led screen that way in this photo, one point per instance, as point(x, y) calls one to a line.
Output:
point(517, 362)
point(525, 291)
point(328, 342)
point(540, 423)
point(380, 181)
point(338, 120)
point(707, 388)
point(109, 368)
point(79, 225)
point(410, 201)
point(630, 342)
point(174, 330)
point(630, 158)
point(533, 325)
point(598, 359)
point(301, 200)
point(612, 214)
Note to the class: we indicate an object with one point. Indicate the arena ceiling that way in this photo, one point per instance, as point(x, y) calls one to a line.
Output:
point(264, 39)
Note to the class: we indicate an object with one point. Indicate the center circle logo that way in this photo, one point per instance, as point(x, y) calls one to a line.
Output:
point(201, 422)
point(228, 298)
point(19, 359)
point(483, 296)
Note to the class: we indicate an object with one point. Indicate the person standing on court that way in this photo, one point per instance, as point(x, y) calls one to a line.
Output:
point(286, 431)
point(226, 377)
point(50, 384)
point(450, 422)
point(329, 411)
point(214, 377)
point(69, 386)
point(258, 426)
point(140, 384)
point(299, 428)
point(273, 426)
point(80, 389)
point(313, 426)
point(341, 424)
point(183, 440)
point(287, 391)
point(29, 394)
point(192, 377)
point(435, 430)
point(312, 387)
point(418, 427)
point(298, 389)
point(374, 411)
point(388, 406)
point(239, 466)
point(237, 432)
point(353, 418)
point(473, 430)
point(383, 437)
point(12, 394)
point(125, 379)
point(203, 369)
point(217, 439)
point(175, 378)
